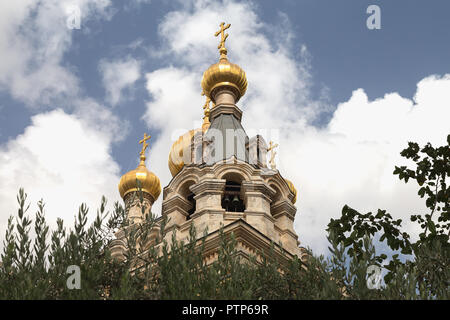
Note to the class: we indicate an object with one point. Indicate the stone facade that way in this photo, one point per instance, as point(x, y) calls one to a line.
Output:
point(226, 183)
point(273, 219)
point(268, 215)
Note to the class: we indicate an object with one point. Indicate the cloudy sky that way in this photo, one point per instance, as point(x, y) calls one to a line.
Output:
point(341, 100)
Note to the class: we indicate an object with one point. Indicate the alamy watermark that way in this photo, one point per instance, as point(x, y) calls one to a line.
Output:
point(374, 277)
point(73, 20)
point(374, 20)
point(223, 145)
point(74, 280)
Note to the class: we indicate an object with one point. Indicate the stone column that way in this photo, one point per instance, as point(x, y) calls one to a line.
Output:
point(176, 209)
point(284, 213)
point(257, 198)
point(208, 198)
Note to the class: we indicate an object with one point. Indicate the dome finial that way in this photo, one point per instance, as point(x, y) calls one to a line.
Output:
point(144, 146)
point(223, 38)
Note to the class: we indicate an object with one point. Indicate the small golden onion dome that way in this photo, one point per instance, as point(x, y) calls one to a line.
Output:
point(181, 147)
point(224, 74)
point(292, 188)
point(149, 181)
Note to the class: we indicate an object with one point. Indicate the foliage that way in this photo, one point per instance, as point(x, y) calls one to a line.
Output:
point(428, 272)
point(34, 264)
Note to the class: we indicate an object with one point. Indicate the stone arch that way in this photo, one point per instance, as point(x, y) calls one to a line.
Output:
point(179, 182)
point(239, 173)
point(281, 188)
point(234, 176)
point(278, 194)
point(184, 190)
point(233, 195)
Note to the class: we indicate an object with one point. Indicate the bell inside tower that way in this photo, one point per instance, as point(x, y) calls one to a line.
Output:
point(231, 200)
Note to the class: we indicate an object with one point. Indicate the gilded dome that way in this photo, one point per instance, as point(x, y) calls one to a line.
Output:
point(181, 149)
point(224, 74)
point(292, 189)
point(149, 181)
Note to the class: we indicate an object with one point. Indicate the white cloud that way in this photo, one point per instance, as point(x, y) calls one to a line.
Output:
point(118, 76)
point(350, 161)
point(33, 40)
point(177, 108)
point(61, 159)
point(101, 119)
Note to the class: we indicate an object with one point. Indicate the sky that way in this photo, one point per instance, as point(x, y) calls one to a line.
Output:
point(342, 100)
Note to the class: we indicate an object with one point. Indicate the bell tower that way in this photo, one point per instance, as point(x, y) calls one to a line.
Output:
point(221, 177)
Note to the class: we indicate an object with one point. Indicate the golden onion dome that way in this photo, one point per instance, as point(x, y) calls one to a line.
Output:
point(224, 73)
point(149, 181)
point(292, 189)
point(179, 148)
point(182, 147)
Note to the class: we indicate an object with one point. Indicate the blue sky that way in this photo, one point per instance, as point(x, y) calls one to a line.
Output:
point(74, 102)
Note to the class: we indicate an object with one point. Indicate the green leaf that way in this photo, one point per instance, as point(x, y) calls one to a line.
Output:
point(431, 226)
point(348, 242)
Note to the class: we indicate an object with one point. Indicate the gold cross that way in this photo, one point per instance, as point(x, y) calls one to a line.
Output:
point(272, 154)
point(144, 143)
point(272, 146)
point(223, 35)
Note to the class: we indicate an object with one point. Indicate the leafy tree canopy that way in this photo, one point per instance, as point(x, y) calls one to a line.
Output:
point(35, 267)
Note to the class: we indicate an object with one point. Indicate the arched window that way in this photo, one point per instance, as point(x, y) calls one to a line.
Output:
point(231, 200)
point(277, 196)
point(191, 200)
point(188, 195)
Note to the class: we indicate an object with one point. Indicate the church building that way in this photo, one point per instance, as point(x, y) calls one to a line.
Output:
point(220, 178)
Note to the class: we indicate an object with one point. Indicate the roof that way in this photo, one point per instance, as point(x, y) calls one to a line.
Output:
point(232, 138)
